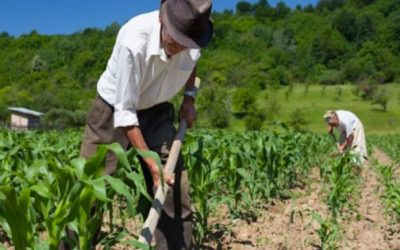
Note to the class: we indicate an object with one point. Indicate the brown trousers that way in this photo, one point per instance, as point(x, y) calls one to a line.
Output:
point(174, 230)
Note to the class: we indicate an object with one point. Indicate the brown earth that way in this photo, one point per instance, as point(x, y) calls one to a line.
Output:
point(369, 228)
point(372, 229)
point(273, 228)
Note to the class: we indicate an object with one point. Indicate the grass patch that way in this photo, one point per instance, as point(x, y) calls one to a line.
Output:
point(314, 100)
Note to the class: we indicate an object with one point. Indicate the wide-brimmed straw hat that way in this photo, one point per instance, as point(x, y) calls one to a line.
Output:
point(188, 22)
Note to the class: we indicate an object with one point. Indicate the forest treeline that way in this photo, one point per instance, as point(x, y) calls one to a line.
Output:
point(256, 46)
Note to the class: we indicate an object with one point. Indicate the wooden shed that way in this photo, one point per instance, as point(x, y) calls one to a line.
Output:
point(24, 119)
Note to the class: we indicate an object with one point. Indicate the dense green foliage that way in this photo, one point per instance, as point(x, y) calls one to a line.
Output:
point(45, 187)
point(246, 170)
point(256, 47)
point(49, 188)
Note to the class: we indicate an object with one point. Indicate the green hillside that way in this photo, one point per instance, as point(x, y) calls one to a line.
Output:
point(256, 48)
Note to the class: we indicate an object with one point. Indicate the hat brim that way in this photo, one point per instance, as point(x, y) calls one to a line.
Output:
point(182, 39)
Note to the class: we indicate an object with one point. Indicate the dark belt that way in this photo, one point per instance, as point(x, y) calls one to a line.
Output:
point(164, 107)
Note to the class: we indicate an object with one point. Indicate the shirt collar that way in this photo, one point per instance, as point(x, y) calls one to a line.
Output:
point(154, 45)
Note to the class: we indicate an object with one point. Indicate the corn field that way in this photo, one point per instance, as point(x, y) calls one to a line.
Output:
point(46, 188)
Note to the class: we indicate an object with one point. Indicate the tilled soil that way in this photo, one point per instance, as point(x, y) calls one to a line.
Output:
point(368, 228)
point(274, 228)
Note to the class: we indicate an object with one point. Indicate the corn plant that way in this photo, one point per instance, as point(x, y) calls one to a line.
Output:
point(392, 189)
point(204, 179)
point(328, 232)
point(390, 144)
point(41, 188)
point(343, 182)
point(245, 170)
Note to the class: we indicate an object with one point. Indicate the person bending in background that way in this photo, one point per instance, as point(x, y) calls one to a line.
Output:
point(154, 57)
point(351, 132)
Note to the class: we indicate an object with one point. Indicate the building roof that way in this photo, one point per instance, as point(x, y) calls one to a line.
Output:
point(25, 111)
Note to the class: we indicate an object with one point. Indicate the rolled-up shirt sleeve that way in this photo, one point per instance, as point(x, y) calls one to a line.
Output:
point(127, 88)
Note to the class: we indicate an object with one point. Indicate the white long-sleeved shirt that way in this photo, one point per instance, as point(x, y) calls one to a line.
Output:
point(348, 122)
point(139, 74)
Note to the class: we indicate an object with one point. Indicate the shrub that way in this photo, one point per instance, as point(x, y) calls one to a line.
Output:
point(339, 93)
point(217, 114)
point(254, 120)
point(381, 98)
point(366, 89)
point(330, 77)
point(63, 118)
point(297, 119)
point(273, 109)
point(243, 99)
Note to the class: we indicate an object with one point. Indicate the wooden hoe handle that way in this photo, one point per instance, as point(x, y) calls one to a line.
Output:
point(152, 219)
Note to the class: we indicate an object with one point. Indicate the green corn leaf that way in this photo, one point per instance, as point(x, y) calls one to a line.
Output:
point(86, 202)
point(79, 166)
point(99, 189)
point(138, 181)
point(153, 155)
point(121, 188)
point(42, 190)
point(34, 170)
point(15, 211)
point(150, 154)
point(244, 174)
point(95, 165)
point(120, 154)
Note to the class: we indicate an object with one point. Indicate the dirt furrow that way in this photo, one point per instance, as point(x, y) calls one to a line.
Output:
point(367, 230)
point(274, 228)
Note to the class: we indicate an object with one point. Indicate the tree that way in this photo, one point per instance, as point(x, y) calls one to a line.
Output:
point(217, 115)
point(254, 119)
point(112, 29)
point(362, 3)
point(285, 39)
point(388, 6)
point(309, 8)
point(38, 64)
point(279, 76)
point(62, 119)
point(345, 23)
point(330, 4)
point(328, 48)
point(366, 89)
point(244, 8)
point(262, 9)
point(281, 11)
point(353, 70)
point(381, 98)
point(331, 77)
point(297, 119)
point(394, 31)
point(242, 99)
point(365, 28)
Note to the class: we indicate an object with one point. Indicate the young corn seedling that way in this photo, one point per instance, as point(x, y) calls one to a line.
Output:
point(328, 232)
